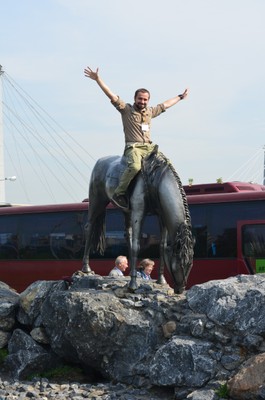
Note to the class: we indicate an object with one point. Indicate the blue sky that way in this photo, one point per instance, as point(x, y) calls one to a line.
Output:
point(215, 48)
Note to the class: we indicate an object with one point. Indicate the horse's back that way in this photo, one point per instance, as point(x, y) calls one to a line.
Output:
point(104, 163)
point(105, 175)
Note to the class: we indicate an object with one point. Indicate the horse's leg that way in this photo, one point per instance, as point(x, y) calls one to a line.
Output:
point(136, 225)
point(163, 246)
point(88, 232)
point(132, 258)
point(128, 229)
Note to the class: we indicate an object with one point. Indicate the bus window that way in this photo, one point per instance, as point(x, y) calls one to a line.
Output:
point(50, 235)
point(253, 237)
point(116, 243)
point(8, 246)
point(115, 240)
point(150, 238)
point(8, 238)
point(214, 229)
point(253, 246)
point(200, 235)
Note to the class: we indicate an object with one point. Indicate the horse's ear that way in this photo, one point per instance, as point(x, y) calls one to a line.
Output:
point(153, 153)
point(155, 150)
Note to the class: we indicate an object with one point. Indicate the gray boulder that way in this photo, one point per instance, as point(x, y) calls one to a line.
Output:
point(115, 335)
point(31, 300)
point(183, 362)
point(8, 305)
point(26, 357)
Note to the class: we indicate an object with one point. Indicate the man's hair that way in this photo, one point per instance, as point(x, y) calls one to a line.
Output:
point(142, 90)
point(120, 259)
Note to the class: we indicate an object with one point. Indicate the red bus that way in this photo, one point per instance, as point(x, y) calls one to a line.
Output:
point(47, 242)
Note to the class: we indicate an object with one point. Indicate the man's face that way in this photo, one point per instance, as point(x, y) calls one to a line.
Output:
point(123, 265)
point(141, 100)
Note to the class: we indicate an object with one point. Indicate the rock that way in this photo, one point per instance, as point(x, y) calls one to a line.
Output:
point(96, 329)
point(43, 389)
point(183, 362)
point(203, 395)
point(27, 357)
point(249, 382)
point(4, 337)
point(39, 335)
point(32, 298)
point(8, 306)
point(237, 303)
point(169, 328)
point(150, 338)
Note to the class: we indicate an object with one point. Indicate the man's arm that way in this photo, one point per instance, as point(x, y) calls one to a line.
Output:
point(95, 77)
point(175, 100)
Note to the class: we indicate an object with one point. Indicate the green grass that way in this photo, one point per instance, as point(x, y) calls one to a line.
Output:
point(222, 392)
point(3, 354)
point(64, 372)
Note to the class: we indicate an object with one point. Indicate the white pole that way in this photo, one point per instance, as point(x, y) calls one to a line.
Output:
point(2, 169)
point(264, 166)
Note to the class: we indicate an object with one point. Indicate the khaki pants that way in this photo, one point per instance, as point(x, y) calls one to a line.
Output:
point(134, 154)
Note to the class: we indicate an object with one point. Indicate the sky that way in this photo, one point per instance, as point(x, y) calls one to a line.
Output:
point(214, 48)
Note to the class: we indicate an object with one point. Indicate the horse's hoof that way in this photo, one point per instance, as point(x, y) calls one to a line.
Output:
point(86, 269)
point(132, 286)
point(132, 290)
point(161, 280)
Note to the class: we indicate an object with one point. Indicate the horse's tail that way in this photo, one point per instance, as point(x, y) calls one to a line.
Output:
point(98, 236)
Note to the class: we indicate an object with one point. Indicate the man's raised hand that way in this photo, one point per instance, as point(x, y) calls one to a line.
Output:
point(91, 74)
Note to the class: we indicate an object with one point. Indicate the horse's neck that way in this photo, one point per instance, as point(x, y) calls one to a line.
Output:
point(153, 168)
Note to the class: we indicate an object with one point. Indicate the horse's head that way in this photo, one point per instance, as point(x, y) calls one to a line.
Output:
point(179, 256)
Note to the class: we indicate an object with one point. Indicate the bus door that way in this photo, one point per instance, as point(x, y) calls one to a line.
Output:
point(251, 245)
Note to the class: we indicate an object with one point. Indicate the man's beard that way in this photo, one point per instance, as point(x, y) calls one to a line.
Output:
point(139, 106)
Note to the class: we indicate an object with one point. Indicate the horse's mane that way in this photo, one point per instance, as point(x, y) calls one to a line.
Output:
point(154, 167)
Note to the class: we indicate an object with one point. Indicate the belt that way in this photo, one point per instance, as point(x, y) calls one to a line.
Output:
point(135, 143)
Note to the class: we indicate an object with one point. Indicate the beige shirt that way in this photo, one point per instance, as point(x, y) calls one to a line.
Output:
point(137, 124)
point(116, 272)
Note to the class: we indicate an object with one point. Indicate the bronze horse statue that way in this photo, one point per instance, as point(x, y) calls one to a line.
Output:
point(157, 189)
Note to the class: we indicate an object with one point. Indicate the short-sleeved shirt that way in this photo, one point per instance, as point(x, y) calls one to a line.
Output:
point(136, 123)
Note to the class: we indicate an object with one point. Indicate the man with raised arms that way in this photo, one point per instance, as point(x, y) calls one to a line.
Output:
point(136, 120)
